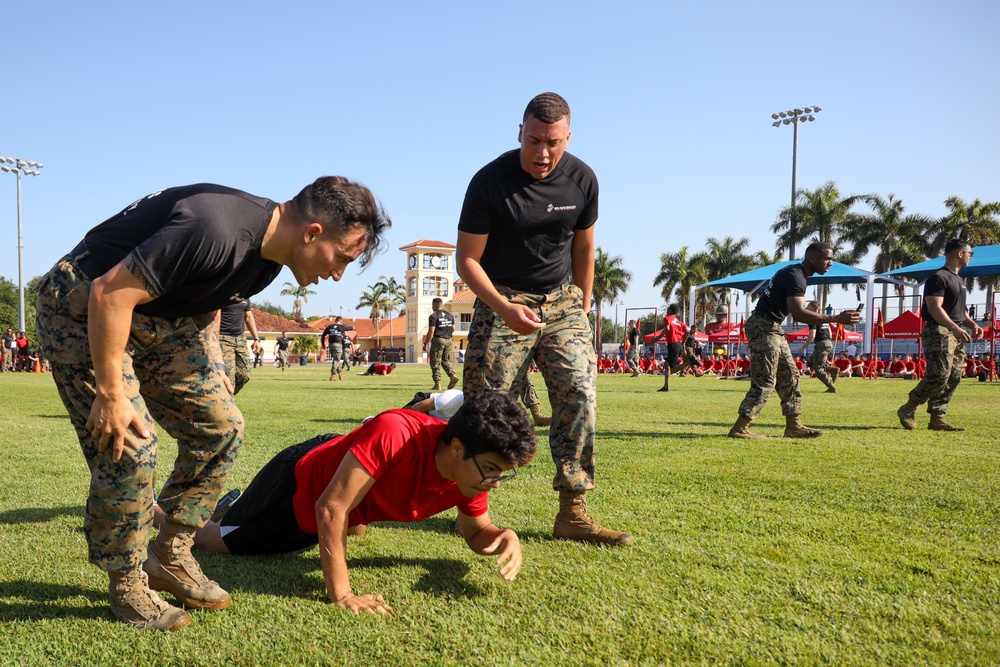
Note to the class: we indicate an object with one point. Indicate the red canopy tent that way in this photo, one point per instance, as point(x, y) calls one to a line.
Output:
point(731, 335)
point(803, 333)
point(907, 325)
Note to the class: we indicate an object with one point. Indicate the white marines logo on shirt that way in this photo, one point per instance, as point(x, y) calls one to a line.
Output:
point(553, 207)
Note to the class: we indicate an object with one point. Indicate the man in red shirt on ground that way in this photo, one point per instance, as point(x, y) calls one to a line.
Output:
point(400, 466)
point(379, 369)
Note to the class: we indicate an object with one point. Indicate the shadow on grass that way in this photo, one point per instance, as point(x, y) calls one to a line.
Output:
point(444, 525)
point(290, 575)
point(40, 601)
point(39, 514)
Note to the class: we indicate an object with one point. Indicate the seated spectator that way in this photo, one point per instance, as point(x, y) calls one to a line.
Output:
point(858, 366)
point(898, 368)
point(844, 365)
point(618, 366)
point(800, 364)
point(880, 366)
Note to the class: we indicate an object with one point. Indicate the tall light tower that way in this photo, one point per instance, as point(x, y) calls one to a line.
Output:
point(794, 117)
point(28, 168)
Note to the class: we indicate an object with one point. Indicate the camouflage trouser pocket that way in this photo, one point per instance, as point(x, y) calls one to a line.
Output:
point(61, 317)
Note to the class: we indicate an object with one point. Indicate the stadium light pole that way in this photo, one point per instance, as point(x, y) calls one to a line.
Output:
point(793, 117)
point(28, 168)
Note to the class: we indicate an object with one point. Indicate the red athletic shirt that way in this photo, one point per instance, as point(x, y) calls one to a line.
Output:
point(678, 330)
point(880, 366)
point(898, 366)
point(397, 448)
point(842, 364)
point(911, 365)
point(382, 369)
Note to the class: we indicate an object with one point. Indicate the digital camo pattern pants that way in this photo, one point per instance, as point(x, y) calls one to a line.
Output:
point(237, 360)
point(336, 351)
point(497, 356)
point(440, 358)
point(945, 356)
point(171, 379)
point(526, 391)
point(819, 360)
point(771, 364)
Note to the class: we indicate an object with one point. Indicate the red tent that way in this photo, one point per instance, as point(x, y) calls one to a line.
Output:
point(803, 333)
point(907, 325)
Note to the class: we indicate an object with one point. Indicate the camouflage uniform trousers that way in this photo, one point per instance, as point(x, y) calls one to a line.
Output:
point(632, 359)
point(237, 360)
point(819, 360)
point(336, 351)
point(440, 358)
point(771, 363)
point(527, 392)
point(169, 374)
point(345, 357)
point(497, 356)
point(945, 356)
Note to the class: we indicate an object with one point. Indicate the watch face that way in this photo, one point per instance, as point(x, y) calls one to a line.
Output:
point(413, 261)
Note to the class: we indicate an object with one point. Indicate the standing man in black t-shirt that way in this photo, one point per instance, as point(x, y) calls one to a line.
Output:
point(771, 361)
point(234, 319)
point(632, 356)
point(127, 321)
point(819, 360)
point(943, 340)
point(526, 249)
point(332, 338)
point(440, 326)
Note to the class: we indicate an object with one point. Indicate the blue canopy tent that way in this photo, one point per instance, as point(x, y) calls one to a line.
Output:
point(839, 274)
point(985, 262)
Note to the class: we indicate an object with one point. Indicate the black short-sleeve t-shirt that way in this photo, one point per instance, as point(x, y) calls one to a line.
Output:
point(822, 332)
point(198, 246)
point(787, 282)
point(442, 322)
point(949, 285)
point(530, 222)
point(232, 317)
point(333, 334)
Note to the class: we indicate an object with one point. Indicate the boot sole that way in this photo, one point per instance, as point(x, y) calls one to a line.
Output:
point(157, 584)
point(803, 436)
point(182, 622)
point(623, 541)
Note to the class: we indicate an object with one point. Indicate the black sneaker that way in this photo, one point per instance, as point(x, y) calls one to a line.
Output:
point(225, 502)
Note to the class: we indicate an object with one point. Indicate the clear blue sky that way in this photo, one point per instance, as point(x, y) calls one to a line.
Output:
point(671, 107)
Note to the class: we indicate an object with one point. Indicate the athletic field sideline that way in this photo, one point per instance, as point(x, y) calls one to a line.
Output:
point(871, 545)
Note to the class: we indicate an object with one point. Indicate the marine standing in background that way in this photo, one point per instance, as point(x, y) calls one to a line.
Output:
point(234, 319)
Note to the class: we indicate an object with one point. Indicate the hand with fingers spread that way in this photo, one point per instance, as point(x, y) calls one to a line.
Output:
point(373, 604)
point(509, 558)
point(109, 421)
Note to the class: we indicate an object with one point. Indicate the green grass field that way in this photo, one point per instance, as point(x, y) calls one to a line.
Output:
point(870, 545)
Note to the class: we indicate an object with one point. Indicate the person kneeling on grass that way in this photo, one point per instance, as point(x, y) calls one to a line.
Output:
point(400, 466)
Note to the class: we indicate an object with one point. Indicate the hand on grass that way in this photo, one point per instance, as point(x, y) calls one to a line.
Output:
point(510, 558)
point(373, 604)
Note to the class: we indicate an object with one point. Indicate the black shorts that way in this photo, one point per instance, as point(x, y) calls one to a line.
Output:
point(675, 352)
point(262, 520)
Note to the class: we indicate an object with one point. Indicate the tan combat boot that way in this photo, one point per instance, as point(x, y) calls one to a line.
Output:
point(939, 424)
point(795, 429)
point(437, 386)
point(907, 415)
point(741, 429)
point(172, 568)
point(132, 602)
point(834, 372)
point(539, 419)
point(573, 523)
point(454, 381)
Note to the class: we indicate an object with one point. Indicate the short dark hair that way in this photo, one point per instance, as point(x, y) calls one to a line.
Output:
point(492, 421)
point(816, 246)
point(672, 309)
point(955, 244)
point(341, 205)
point(436, 302)
point(548, 108)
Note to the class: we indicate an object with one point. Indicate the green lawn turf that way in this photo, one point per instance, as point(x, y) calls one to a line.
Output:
point(870, 545)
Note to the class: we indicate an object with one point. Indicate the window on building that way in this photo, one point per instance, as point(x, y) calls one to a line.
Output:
point(435, 261)
point(413, 287)
point(435, 287)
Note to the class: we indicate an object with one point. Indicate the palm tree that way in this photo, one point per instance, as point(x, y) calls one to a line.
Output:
point(727, 258)
point(395, 293)
point(976, 223)
point(682, 271)
point(301, 294)
point(610, 280)
point(305, 345)
point(897, 239)
point(821, 215)
point(379, 302)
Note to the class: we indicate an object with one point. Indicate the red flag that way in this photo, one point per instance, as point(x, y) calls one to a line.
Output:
point(743, 331)
point(993, 319)
point(838, 331)
point(879, 331)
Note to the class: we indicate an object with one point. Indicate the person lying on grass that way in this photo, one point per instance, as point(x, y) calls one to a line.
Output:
point(400, 466)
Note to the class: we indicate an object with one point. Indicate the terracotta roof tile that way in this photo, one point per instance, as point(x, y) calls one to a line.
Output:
point(464, 296)
point(425, 243)
point(273, 323)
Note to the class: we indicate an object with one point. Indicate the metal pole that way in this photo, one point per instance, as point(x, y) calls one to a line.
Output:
point(20, 260)
point(793, 227)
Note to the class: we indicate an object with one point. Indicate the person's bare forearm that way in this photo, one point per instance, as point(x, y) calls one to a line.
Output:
point(109, 322)
point(332, 525)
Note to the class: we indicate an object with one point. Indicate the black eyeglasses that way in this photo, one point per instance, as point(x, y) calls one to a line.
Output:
point(489, 479)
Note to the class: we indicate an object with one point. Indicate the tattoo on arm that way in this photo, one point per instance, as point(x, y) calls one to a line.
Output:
point(137, 273)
